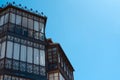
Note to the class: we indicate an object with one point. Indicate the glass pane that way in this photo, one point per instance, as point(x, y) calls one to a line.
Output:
point(14, 78)
point(51, 76)
point(60, 76)
point(1, 20)
point(18, 30)
point(23, 53)
point(41, 29)
point(30, 33)
point(29, 57)
point(41, 36)
point(55, 78)
point(42, 57)
point(36, 35)
point(24, 21)
point(30, 23)
point(3, 49)
point(18, 20)
point(36, 26)
point(1, 77)
point(6, 77)
point(59, 57)
point(36, 56)
point(0, 49)
point(61, 62)
point(12, 18)
point(9, 49)
point(24, 32)
point(55, 74)
point(6, 18)
point(16, 51)
point(11, 27)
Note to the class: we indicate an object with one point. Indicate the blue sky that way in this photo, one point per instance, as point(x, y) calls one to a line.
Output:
point(88, 31)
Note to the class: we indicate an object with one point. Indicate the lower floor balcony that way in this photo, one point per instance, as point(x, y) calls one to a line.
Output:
point(22, 69)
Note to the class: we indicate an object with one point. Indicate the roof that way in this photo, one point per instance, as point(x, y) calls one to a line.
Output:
point(25, 9)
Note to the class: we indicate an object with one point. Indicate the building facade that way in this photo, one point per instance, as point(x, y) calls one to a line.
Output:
point(58, 65)
point(24, 47)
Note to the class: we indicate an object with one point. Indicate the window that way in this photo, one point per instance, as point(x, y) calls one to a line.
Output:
point(9, 49)
point(15, 78)
point(24, 32)
point(11, 27)
point(36, 26)
point(61, 77)
point(61, 62)
point(41, 28)
point(6, 18)
point(49, 58)
point(16, 51)
point(24, 21)
point(36, 35)
point(18, 20)
point(36, 56)
point(29, 54)
point(41, 36)
point(3, 49)
point(30, 23)
point(23, 53)
point(59, 57)
point(0, 49)
point(42, 57)
point(53, 76)
point(6, 77)
point(1, 20)
point(18, 30)
point(65, 67)
point(30, 33)
point(12, 18)
point(1, 77)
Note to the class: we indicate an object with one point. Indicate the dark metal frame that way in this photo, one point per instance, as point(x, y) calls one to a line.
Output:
point(9, 65)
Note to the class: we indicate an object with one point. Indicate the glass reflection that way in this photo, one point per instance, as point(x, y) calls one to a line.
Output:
point(24, 21)
point(54, 76)
point(6, 17)
point(0, 49)
point(23, 53)
point(29, 55)
point(36, 35)
point(1, 20)
point(30, 33)
point(16, 51)
point(30, 23)
point(3, 49)
point(36, 56)
point(12, 18)
point(42, 57)
point(18, 20)
point(9, 49)
point(36, 26)
point(41, 27)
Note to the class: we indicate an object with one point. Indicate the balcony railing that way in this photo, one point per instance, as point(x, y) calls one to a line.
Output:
point(21, 66)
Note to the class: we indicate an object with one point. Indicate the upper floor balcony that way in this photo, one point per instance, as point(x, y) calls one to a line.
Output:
point(21, 22)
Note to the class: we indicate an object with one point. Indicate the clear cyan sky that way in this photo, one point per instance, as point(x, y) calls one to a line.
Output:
point(88, 31)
